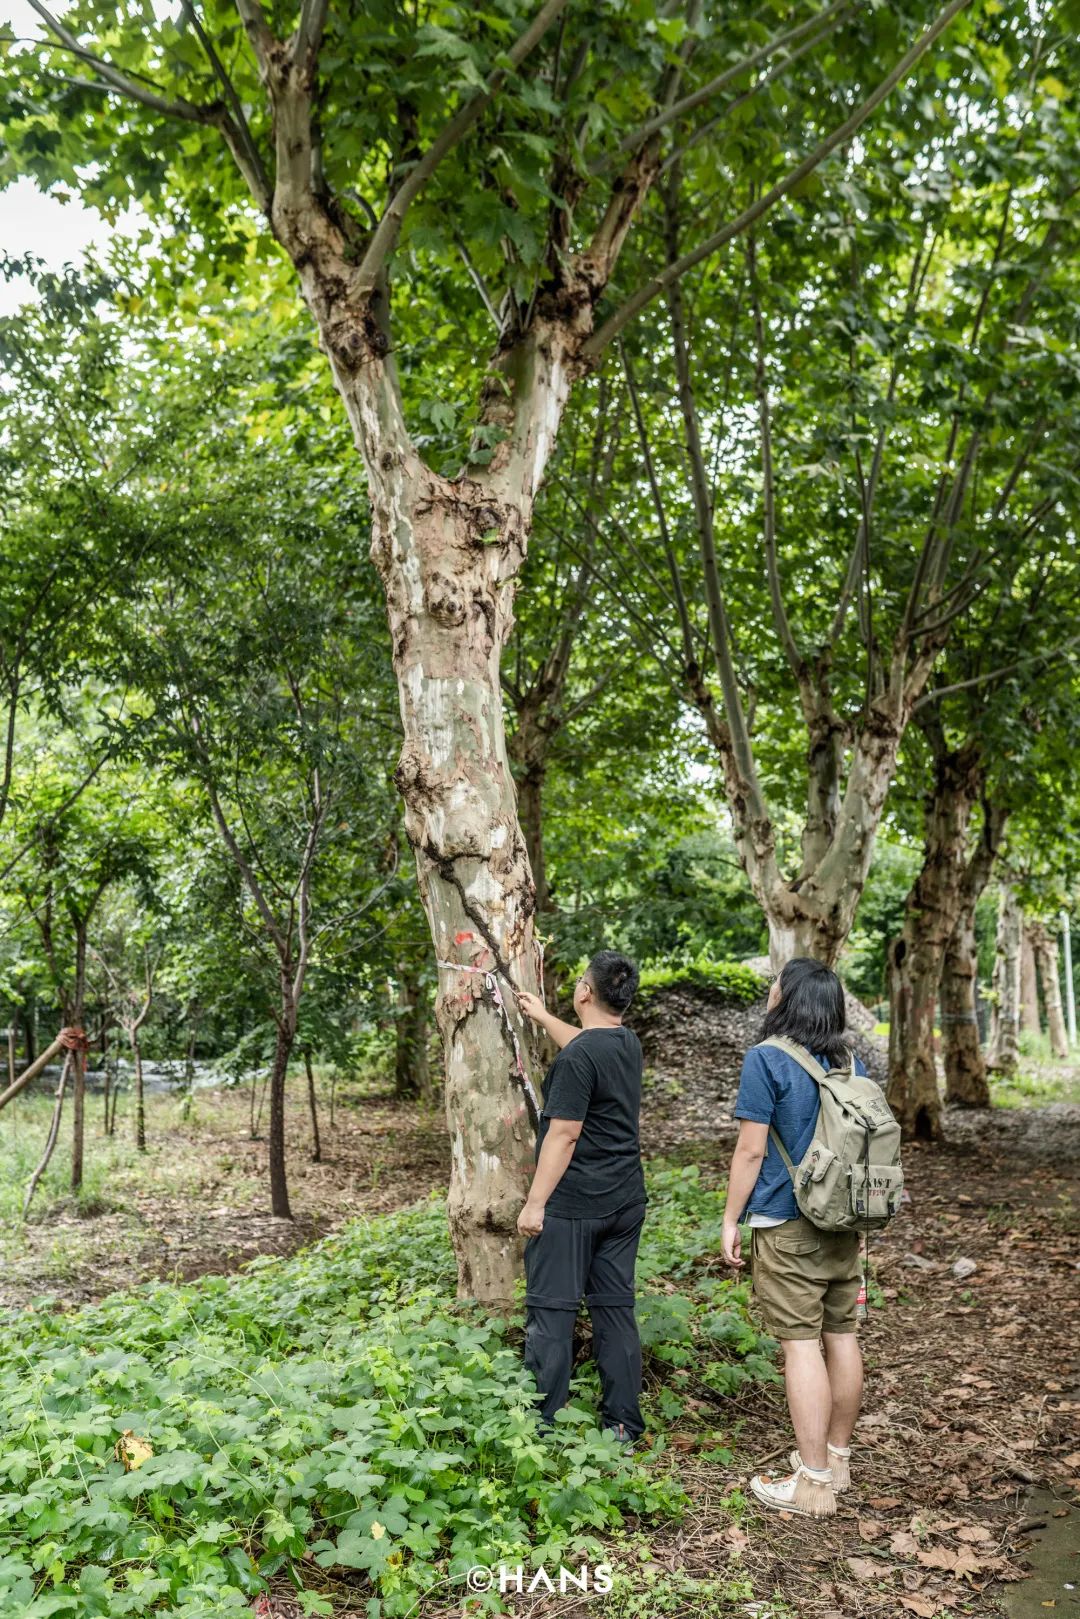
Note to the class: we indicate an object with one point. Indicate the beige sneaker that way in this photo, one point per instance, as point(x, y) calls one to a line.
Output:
point(839, 1462)
point(809, 1497)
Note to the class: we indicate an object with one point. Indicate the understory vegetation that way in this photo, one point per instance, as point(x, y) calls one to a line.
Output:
point(338, 1417)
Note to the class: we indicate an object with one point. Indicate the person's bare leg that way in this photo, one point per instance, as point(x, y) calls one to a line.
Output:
point(809, 1398)
point(843, 1360)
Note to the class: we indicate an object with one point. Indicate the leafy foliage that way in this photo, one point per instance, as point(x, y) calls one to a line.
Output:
point(338, 1406)
point(731, 978)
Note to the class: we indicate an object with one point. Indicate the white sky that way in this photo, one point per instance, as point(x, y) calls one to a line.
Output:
point(33, 222)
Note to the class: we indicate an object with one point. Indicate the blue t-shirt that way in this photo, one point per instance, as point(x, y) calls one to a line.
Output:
point(774, 1090)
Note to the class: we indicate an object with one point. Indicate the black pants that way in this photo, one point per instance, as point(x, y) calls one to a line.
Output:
point(594, 1258)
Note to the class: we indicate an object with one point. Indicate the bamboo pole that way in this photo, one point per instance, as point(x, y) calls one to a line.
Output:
point(33, 1070)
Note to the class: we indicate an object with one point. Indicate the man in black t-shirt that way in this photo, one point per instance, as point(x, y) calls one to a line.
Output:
point(585, 1208)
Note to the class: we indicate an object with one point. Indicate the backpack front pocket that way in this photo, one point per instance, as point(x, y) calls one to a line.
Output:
point(876, 1191)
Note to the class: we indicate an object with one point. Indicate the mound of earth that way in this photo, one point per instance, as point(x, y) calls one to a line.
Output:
point(694, 1038)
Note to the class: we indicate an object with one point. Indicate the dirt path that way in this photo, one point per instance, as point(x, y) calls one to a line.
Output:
point(973, 1395)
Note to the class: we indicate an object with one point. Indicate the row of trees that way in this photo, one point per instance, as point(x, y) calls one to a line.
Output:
point(783, 309)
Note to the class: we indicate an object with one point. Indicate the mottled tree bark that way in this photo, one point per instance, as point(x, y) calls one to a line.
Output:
point(1003, 1057)
point(965, 1066)
point(930, 916)
point(287, 1018)
point(1044, 945)
point(1029, 986)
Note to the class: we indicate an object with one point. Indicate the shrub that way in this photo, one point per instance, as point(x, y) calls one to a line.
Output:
point(732, 978)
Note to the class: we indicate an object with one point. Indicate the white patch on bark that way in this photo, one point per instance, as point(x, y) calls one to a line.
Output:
point(498, 837)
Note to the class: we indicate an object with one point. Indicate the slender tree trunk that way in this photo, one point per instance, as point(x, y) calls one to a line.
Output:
point(412, 1075)
point(115, 1103)
point(140, 1098)
point(1045, 947)
point(286, 1034)
point(1029, 989)
point(316, 1144)
point(54, 1130)
point(1005, 1046)
point(11, 1054)
point(29, 1023)
point(78, 1097)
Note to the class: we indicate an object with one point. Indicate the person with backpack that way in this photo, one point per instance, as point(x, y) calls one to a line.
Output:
point(584, 1212)
point(816, 1165)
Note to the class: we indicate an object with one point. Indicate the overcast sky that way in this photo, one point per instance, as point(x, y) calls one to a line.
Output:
point(30, 221)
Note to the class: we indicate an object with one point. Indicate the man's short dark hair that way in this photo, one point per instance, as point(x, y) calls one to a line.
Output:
point(614, 977)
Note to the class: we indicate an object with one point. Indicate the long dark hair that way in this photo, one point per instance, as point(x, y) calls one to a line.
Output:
point(810, 1010)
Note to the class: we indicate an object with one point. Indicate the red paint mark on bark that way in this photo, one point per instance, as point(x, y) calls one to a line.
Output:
point(462, 938)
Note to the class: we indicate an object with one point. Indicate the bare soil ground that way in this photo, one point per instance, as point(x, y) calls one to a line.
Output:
point(195, 1202)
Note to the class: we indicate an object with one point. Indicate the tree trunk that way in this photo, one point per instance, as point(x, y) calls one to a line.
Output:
point(412, 1074)
point(140, 1099)
point(29, 1023)
point(931, 913)
point(1029, 988)
point(1005, 1044)
point(449, 604)
point(1044, 944)
point(965, 1067)
point(316, 1144)
point(286, 1034)
point(78, 1095)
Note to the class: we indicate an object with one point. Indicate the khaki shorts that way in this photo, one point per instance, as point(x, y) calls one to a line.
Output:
point(806, 1281)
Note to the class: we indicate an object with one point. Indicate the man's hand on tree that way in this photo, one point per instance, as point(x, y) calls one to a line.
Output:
point(532, 1006)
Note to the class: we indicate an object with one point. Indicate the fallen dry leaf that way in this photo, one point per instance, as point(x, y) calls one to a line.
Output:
point(884, 1503)
point(870, 1529)
point(973, 1531)
point(867, 1568)
point(920, 1605)
point(903, 1544)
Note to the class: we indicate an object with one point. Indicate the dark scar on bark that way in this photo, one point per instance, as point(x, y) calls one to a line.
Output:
point(445, 864)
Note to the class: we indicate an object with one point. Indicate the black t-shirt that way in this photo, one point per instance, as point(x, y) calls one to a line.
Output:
point(597, 1078)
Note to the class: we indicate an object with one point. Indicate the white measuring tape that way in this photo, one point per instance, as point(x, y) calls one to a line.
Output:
point(491, 980)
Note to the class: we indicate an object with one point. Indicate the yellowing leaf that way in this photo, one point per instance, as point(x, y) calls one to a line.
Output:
point(377, 1531)
point(131, 1450)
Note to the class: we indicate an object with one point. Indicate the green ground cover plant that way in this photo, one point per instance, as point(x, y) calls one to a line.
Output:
point(335, 1417)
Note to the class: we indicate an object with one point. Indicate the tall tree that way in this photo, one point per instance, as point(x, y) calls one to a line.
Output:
point(340, 134)
point(883, 338)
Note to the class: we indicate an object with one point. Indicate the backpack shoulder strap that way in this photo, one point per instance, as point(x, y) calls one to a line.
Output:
point(816, 1072)
point(799, 1053)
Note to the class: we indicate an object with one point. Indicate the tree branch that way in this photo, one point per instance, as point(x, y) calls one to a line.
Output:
point(385, 238)
point(790, 36)
point(673, 272)
point(192, 112)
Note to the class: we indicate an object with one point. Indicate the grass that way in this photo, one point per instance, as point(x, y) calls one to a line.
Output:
point(1037, 1084)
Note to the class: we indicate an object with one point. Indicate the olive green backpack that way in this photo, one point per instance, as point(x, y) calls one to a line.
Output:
point(849, 1178)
